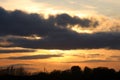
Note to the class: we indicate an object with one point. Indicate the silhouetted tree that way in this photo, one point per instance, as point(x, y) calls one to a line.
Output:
point(66, 75)
point(75, 73)
point(55, 75)
point(103, 73)
point(87, 73)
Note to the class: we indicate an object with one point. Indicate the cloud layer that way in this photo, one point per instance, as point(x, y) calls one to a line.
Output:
point(15, 51)
point(71, 41)
point(53, 31)
point(35, 57)
point(21, 23)
point(91, 61)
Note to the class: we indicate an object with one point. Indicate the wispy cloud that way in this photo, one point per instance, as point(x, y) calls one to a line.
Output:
point(15, 51)
point(88, 55)
point(91, 61)
point(117, 57)
point(88, 6)
point(35, 57)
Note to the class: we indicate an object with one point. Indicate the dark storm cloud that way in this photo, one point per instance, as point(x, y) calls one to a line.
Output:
point(35, 57)
point(54, 32)
point(15, 51)
point(20, 23)
point(72, 41)
point(65, 19)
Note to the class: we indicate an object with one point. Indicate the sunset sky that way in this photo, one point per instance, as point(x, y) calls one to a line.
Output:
point(56, 34)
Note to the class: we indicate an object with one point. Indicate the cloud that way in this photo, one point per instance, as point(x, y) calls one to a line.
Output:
point(65, 19)
point(18, 65)
point(115, 57)
point(71, 40)
point(90, 61)
point(88, 56)
point(15, 51)
point(93, 55)
point(15, 65)
point(98, 61)
point(53, 31)
point(35, 57)
point(20, 23)
point(89, 6)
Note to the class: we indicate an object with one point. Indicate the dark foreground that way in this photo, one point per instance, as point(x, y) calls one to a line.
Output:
point(75, 73)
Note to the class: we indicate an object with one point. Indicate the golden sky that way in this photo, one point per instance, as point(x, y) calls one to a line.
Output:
point(77, 7)
point(39, 33)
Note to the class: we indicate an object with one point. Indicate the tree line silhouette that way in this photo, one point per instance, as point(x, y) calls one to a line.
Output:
point(75, 73)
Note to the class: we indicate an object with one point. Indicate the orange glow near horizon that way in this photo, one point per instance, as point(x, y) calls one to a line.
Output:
point(67, 58)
